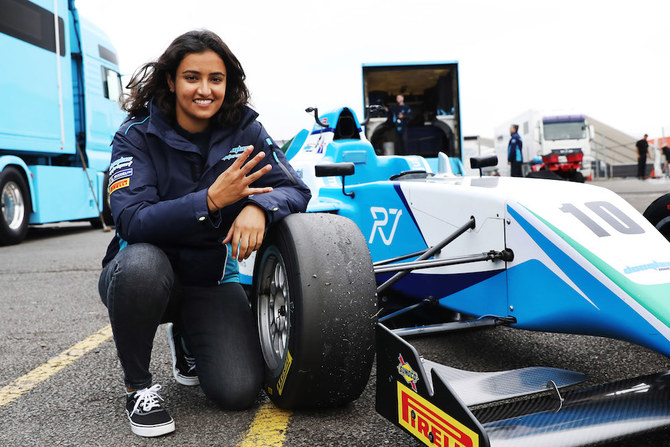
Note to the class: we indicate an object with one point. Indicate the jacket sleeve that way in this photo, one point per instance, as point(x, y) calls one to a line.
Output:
point(289, 194)
point(139, 213)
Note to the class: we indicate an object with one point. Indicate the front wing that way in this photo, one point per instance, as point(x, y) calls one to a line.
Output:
point(442, 406)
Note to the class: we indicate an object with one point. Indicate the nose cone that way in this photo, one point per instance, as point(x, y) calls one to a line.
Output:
point(603, 269)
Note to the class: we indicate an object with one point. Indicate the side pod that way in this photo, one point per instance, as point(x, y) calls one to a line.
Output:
point(443, 406)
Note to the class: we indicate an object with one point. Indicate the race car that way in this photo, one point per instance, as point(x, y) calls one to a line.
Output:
point(532, 254)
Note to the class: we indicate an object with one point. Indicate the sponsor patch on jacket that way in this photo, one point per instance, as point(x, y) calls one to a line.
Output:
point(123, 162)
point(118, 185)
point(121, 174)
point(235, 152)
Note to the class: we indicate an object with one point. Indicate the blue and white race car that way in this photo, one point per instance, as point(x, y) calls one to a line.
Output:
point(534, 254)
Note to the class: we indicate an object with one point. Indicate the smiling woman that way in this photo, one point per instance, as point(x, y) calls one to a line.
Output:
point(192, 191)
point(199, 88)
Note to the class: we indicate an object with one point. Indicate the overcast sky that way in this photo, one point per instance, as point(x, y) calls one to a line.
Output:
point(607, 59)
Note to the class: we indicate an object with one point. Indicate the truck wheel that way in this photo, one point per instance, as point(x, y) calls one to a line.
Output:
point(15, 204)
point(315, 302)
point(577, 177)
point(658, 213)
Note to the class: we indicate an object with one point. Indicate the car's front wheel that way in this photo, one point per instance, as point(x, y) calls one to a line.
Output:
point(314, 298)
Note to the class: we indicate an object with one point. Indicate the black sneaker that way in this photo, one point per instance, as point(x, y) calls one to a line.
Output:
point(146, 414)
point(183, 365)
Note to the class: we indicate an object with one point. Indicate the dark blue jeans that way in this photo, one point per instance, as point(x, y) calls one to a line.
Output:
point(141, 291)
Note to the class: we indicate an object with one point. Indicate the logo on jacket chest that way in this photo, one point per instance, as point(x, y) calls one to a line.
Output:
point(235, 152)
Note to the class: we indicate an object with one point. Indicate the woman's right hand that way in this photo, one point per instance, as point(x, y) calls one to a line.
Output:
point(233, 183)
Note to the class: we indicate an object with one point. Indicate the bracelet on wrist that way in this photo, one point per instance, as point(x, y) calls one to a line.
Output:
point(209, 199)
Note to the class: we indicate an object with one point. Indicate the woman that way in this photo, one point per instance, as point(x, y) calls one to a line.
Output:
point(193, 186)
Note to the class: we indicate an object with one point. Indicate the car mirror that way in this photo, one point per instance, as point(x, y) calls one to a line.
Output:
point(483, 162)
point(334, 169)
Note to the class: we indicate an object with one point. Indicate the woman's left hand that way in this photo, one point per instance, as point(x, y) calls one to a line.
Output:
point(247, 232)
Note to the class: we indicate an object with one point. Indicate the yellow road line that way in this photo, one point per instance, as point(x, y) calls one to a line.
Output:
point(268, 428)
point(38, 375)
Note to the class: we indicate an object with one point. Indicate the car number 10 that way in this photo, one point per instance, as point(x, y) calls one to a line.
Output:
point(608, 212)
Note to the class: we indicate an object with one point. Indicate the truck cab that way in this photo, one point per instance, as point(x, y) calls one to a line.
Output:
point(61, 99)
point(552, 141)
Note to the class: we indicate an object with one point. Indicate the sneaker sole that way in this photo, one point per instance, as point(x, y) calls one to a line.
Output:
point(151, 431)
point(181, 379)
point(185, 380)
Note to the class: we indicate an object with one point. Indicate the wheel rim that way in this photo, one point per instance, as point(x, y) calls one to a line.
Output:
point(13, 207)
point(274, 313)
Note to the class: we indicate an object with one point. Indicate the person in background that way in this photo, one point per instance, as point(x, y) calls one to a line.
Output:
point(514, 153)
point(195, 181)
point(642, 147)
point(666, 153)
point(401, 114)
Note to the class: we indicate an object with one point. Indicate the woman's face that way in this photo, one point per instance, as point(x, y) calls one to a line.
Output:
point(199, 87)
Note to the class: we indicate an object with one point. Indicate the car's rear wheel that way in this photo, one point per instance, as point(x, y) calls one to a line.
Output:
point(314, 298)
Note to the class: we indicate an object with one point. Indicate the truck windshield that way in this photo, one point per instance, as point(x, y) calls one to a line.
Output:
point(565, 131)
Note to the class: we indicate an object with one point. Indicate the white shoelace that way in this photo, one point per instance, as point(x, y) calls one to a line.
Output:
point(148, 398)
point(190, 362)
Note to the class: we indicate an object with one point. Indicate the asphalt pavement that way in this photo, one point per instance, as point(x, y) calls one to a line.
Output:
point(49, 303)
point(639, 193)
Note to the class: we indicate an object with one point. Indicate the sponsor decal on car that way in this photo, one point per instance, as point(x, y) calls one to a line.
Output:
point(429, 424)
point(282, 379)
point(381, 221)
point(654, 265)
point(118, 185)
point(407, 373)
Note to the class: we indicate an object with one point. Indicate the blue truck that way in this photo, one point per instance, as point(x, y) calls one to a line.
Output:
point(61, 92)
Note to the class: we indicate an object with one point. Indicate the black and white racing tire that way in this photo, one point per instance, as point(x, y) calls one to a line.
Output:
point(315, 302)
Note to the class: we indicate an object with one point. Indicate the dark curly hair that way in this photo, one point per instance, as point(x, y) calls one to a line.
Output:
point(149, 82)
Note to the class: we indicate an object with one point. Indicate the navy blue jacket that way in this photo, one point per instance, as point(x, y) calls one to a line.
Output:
point(406, 111)
point(158, 191)
point(514, 153)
